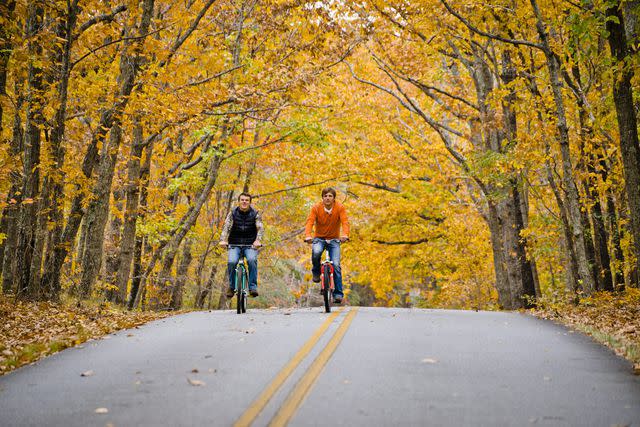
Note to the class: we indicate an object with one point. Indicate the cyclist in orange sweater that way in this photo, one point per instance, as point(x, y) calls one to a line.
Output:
point(328, 217)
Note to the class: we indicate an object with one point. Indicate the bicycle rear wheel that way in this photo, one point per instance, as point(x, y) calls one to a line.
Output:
point(326, 288)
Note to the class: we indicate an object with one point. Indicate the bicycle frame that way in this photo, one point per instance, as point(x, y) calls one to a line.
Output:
point(241, 282)
point(327, 284)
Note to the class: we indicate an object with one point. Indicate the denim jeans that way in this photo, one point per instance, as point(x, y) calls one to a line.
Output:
point(235, 253)
point(333, 247)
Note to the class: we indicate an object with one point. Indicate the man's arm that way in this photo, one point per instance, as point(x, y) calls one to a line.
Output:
point(311, 220)
point(226, 229)
point(260, 227)
point(346, 227)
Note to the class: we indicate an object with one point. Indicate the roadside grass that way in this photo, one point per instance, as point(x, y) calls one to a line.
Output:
point(30, 331)
point(612, 319)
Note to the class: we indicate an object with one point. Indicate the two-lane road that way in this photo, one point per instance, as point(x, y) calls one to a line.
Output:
point(371, 366)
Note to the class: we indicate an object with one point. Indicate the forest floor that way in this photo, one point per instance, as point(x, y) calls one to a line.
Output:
point(610, 319)
point(30, 331)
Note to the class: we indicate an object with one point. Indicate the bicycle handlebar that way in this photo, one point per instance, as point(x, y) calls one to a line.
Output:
point(328, 240)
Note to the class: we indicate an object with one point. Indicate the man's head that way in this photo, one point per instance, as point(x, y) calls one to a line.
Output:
point(244, 201)
point(328, 197)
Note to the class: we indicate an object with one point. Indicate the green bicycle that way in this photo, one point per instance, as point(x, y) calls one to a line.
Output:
point(242, 285)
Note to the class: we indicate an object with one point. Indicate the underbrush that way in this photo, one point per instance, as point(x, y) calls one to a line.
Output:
point(30, 331)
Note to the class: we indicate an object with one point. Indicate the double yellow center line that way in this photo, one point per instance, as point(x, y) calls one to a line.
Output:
point(295, 398)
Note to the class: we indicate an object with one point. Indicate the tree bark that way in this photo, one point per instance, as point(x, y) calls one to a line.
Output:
point(181, 275)
point(98, 209)
point(132, 195)
point(14, 199)
point(627, 120)
point(139, 240)
point(6, 48)
point(572, 199)
point(31, 156)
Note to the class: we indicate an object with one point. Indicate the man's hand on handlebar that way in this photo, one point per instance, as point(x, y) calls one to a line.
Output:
point(308, 240)
point(343, 239)
point(256, 244)
point(223, 243)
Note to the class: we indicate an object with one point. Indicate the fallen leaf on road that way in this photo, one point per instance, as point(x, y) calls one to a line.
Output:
point(195, 371)
point(208, 356)
point(101, 411)
point(87, 373)
point(130, 335)
point(250, 331)
point(429, 360)
point(195, 383)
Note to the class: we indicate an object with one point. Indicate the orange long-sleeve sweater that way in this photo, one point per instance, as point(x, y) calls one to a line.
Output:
point(327, 226)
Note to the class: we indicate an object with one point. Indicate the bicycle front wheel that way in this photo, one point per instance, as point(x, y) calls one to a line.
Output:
point(326, 288)
point(241, 286)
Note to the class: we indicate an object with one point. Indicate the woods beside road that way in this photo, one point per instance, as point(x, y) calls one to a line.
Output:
point(487, 154)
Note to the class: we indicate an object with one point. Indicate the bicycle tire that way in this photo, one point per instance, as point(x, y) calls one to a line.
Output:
point(326, 287)
point(244, 291)
point(240, 297)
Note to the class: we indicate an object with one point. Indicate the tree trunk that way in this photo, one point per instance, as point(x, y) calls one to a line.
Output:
point(627, 120)
point(132, 194)
point(6, 48)
point(98, 210)
point(113, 240)
point(98, 213)
point(614, 230)
point(572, 199)
point(181, 275)
point(499, 263)
point(137, 252)
point(523, 287)
point(31, 156)
point(14, 199)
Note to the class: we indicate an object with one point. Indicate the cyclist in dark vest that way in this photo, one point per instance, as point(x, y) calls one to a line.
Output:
point(242, 233)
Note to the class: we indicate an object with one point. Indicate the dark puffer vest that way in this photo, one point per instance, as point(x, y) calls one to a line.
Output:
point(244, 230)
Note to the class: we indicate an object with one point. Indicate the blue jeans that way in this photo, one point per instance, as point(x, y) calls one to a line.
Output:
point(333, 247)
point(235, 253)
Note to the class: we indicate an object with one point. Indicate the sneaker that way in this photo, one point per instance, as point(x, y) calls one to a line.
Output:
point(337, 300)
point(253, 292)
point(316, 278)
point(230, 292)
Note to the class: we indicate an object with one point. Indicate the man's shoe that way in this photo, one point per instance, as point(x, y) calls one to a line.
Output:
point(253, 292)
point(230, 292)
point(337, 300)
point(316, 278)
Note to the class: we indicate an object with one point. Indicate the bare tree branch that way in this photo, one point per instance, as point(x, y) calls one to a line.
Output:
point(406, 242)
point(489, 35)
point(180, 41)
point(310, 184)
point(107, 17)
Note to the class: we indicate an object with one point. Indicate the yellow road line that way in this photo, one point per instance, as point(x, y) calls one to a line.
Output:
point(303, 387)
point(258, 405)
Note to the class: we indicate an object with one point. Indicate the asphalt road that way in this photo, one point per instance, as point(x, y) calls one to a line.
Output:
point(370, 367)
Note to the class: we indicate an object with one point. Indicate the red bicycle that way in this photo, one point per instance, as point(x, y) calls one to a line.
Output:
point(326, 282)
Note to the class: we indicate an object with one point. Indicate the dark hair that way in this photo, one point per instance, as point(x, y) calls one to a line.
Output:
point(329, 190)
point(245, 194)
